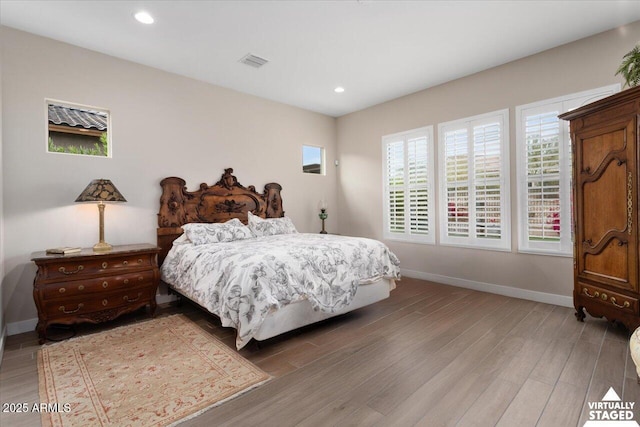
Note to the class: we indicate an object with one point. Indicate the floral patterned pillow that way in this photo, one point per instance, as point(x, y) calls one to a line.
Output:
point(202, 234)
point(271, 226)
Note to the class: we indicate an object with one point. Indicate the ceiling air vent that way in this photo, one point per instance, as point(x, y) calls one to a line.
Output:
point(253, 60)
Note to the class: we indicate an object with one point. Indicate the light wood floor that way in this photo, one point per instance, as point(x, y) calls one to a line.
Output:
point(430, 355)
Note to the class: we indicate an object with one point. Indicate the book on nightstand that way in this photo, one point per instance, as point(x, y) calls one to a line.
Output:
point(65, 250)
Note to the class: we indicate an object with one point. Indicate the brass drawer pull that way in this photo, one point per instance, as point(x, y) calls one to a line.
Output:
point(105, 302)
point(105, 284)
point(125, 262)
point(62, 290)
point(126, 298)
point(71, 311)
point(81, 288)
point(139, 260)
point(604, 297)
point(63, 270)
point(596, 294)
point(625, 305)
point(104, 264)
point(126, 281)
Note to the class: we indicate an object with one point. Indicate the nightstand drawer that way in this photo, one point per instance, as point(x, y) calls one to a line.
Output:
point(78, 306)
point(71, 268)
point(103, 284)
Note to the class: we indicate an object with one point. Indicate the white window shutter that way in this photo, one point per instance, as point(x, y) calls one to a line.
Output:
point(408, 186)
point(542, 136)
point(418, 180)
point(487, 165)
point(474, 168)
point(456, 149)
point(544, 172)
point(395, 187)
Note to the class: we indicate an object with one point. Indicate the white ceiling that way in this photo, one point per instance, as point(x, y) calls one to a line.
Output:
point(376, 50)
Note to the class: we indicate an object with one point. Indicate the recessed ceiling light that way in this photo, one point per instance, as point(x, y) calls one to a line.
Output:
point(339, 89)
point(144, 17)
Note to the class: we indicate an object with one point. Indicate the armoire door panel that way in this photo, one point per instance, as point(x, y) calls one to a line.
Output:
point(595, 149)
point(611, 264)
point(607, 243)
point(605, 203)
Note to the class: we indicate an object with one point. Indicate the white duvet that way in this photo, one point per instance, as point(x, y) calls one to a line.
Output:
point(243, 280)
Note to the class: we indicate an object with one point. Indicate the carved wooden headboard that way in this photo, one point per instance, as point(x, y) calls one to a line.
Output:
point(224, 200)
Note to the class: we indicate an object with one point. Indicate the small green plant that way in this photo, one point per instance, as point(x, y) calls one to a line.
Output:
point(104, 140)
point(99, 149)
point(630, 67)
point(53, 148)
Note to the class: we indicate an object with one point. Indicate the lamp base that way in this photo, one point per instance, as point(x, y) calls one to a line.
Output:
point(102, 247)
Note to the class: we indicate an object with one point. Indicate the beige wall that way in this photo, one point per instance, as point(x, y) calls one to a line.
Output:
point(582, 65)
point(166, 125)
point(2, 317)
point(162, 125)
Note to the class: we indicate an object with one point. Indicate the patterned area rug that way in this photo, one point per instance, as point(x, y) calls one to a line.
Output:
point(154, 373)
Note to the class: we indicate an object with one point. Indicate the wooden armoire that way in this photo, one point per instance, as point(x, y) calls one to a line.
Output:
point(606, 154)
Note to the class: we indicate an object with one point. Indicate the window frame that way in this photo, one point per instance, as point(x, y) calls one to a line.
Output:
point(323, 170)
point(503, 243)
point(75, 105)
point(407, 235)
point(564, 246)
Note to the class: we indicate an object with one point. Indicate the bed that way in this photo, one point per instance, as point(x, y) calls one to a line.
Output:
point(232, 251)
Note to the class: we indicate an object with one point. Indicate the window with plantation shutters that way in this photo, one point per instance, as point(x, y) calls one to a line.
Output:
point(408, 185)
point(456, 148)
point(543, 150)
point(474, 181)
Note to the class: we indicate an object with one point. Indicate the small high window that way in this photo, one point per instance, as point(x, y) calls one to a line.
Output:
point(77, 129)
point(312, 159)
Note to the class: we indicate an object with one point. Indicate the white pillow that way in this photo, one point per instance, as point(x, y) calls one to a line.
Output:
point(182, 240)
point(202, 233)
point(271, 226)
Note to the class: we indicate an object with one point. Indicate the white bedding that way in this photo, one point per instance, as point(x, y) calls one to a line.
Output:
point(243, 281)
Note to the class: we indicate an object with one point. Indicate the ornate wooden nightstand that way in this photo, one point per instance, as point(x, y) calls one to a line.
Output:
point(94, 287)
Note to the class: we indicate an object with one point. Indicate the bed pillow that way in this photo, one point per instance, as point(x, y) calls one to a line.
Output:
point(182, 240)
point(272, 226)
point(202, 234)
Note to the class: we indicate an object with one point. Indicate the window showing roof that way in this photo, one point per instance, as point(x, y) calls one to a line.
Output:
point(75, 117)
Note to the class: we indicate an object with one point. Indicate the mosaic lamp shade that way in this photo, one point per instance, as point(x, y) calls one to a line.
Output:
point(101, 190)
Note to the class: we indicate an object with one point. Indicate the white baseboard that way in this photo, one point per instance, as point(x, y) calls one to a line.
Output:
point(561, 300)
point(164, 298)
point(15, 328)
point(29, 325)
point(3, 339)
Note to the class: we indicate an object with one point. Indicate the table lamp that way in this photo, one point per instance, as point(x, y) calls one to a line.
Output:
point(101, 190)
point(323, 214)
